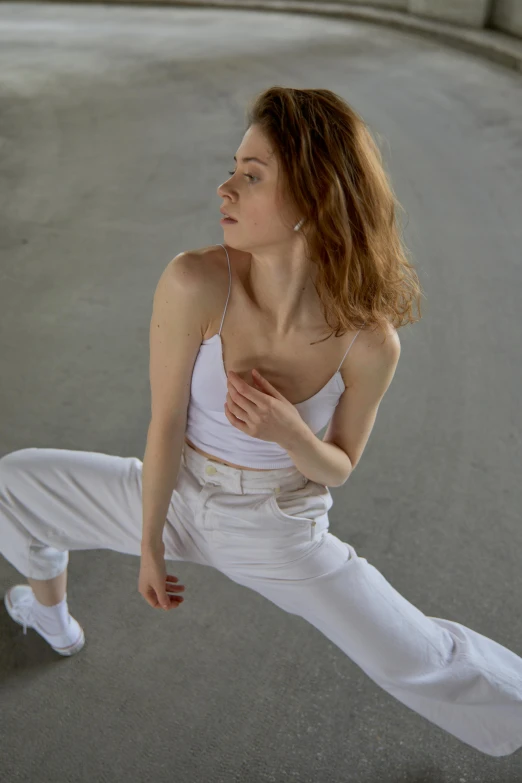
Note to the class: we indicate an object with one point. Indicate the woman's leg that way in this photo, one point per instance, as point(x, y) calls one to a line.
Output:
point(50, 592)
point(56, 500)
point(460, 680)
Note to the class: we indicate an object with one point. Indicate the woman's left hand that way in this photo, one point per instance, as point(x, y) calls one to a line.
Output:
point(262, 412)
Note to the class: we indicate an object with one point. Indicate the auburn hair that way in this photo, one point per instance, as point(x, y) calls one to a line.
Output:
point(333, 172)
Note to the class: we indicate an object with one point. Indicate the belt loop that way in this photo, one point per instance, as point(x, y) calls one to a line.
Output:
point(241, 482)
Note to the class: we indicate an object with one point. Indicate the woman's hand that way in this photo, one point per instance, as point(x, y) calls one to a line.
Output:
point(262, 412)
point(158, 588)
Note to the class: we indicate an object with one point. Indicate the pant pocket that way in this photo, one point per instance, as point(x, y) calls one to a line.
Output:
point(307, 506)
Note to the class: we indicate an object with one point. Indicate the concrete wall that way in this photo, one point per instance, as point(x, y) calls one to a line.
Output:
point(507, 16)
point(390, 5)
point(471, 13)
point(504, 15)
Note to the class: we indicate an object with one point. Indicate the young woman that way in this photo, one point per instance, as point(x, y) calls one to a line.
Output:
point(314, 283)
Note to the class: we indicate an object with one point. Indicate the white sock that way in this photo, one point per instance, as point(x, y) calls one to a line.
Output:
point(52, 619)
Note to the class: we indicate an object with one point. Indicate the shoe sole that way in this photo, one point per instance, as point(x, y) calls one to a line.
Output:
point(69, 650)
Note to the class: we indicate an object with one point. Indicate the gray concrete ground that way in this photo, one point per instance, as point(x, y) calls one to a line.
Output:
point(117, 125)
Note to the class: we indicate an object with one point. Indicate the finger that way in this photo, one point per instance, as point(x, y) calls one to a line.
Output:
point(237, 411)
point(174, 600)
point(238, 404)
point(176, 592)
point(170, 583)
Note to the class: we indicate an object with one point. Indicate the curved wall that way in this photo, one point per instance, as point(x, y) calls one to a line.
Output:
point(507, 16)
point(503, 15)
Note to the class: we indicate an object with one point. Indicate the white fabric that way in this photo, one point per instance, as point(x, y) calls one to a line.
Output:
point(207, 424)
point(268, 530)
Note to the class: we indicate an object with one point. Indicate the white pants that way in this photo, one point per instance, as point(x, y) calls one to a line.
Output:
point(268, 530)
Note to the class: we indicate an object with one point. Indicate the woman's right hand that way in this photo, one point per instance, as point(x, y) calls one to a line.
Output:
point(154, 584)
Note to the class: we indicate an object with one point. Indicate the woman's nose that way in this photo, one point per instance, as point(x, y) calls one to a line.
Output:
point(221, 190)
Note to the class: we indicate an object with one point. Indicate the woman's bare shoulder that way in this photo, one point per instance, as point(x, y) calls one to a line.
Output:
point(212, 262)
point(209, 259)
point(373, 345)
point(207, 266)
point(210, 267)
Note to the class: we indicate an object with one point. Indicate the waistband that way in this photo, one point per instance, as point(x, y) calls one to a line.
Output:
point(238, 481)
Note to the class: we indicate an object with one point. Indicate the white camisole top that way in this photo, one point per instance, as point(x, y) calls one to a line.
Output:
point(207, 424)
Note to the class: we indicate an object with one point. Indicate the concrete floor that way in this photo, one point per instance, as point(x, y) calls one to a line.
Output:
point(116, 126)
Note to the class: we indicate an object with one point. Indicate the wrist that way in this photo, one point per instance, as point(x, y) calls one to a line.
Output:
point(154, 545)
point(299, 437)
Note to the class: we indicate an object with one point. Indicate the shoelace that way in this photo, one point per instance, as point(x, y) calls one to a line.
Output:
point(24, 607)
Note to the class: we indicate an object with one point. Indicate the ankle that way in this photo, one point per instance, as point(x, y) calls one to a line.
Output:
point(51, 619)
point(50, 592)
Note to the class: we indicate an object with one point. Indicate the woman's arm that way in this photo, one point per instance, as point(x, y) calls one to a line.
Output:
point(176, 332)
point(159, 476)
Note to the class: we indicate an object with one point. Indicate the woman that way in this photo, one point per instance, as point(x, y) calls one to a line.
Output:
point(233, 474)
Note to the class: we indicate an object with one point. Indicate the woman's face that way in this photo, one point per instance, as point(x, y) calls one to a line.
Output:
point(253, 196)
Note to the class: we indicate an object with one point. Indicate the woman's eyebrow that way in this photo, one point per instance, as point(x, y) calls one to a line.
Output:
point(246, 160)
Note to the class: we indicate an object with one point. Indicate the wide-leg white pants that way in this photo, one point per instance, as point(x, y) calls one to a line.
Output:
point(268, 531)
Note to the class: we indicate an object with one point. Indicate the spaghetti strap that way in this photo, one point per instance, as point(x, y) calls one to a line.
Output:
point(229, 287)
point(354, 339)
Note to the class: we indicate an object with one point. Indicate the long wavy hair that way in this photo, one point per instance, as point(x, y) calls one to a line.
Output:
point(333, 172)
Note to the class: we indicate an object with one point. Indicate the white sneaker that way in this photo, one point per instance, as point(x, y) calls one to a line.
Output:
point(19, 604)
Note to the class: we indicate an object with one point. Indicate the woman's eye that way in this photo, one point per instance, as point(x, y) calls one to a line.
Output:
point(246, 175)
